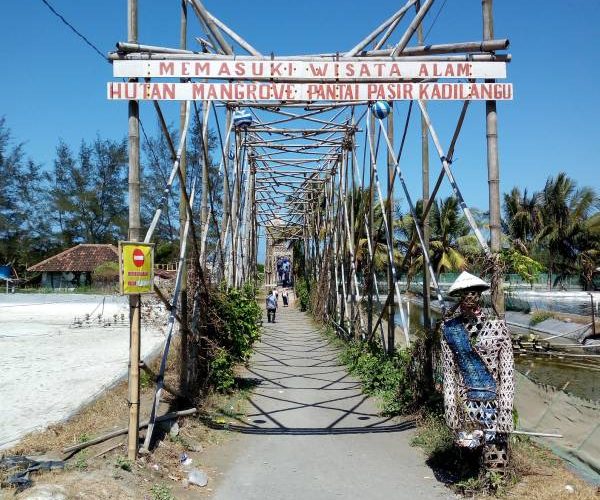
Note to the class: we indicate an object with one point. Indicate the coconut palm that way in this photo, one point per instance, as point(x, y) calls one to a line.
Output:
point(522, 219)
point(567, 233)
point(450, 239)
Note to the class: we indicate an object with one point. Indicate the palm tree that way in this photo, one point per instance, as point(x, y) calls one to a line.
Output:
point(522, 219)
point(566, 234)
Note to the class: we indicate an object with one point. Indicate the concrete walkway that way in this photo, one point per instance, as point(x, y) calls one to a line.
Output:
point(311, 434)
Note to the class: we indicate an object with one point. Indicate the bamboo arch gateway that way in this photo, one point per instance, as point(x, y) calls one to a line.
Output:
point(311, 160)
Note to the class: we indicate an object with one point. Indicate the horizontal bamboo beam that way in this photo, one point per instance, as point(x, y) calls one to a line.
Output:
point(120, 432)
point(424, 53)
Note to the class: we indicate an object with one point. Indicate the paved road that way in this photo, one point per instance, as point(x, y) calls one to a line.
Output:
point(310, 433)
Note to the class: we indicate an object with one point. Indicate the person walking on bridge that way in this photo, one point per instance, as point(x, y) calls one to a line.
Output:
point(271, 306)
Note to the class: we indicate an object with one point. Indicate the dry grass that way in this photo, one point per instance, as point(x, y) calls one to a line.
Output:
point(537, 474)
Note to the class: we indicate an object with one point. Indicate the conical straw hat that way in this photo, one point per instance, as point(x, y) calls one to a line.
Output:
point(466, 282)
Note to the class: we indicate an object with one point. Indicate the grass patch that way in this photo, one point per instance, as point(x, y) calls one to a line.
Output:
point(539, 316)
point(382, 376)
point(161, 492)
point(123, 463)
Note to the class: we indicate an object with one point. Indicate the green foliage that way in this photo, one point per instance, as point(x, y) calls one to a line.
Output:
point(383, 376)
point(81, 463)
point(302, 294)
point(161, 492)
point(222, 377)
point(238, 317)
point(145, 379)
point(83, 438)
point(88, 193)
point(539, 316)
point(123, 463)
point(526, 267)
point(166, 252)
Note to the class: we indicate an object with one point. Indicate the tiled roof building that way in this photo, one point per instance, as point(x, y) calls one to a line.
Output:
point(74, 266)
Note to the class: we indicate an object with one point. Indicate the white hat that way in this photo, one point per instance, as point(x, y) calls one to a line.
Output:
point(466, 282)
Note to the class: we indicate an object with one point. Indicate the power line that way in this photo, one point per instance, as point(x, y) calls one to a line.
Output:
point(78, 33)
point(434, 20)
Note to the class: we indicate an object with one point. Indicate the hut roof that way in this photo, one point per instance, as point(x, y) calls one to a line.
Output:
point(81, 258)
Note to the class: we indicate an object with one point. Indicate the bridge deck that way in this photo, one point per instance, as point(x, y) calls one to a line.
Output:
point(309, 432)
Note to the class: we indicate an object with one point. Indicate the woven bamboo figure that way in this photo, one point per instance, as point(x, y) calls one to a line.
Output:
point(478, 367)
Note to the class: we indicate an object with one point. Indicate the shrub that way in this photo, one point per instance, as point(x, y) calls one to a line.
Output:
point(383, 376)
point(539, 316)
point(303, 294)
point(236, 318)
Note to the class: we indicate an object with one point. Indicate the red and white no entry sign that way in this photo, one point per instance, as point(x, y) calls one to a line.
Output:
point(138, 257)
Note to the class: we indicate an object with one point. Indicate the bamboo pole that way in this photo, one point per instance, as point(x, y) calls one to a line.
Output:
point(370, 224)
point(391, 333)
point(243, 43)
point(183, 213)
point(428, 361)
point(120, 432)
point(473, 51)
point(455, 188)
point(396, 17)
point(204, 190)
point(212, 27)
point(134, 235)
point(412, 27)
point(491, 126)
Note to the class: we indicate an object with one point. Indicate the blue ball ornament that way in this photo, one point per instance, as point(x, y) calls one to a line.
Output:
point(381, 109)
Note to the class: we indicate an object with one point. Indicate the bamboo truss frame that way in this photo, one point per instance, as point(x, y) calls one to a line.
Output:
point(296, 173)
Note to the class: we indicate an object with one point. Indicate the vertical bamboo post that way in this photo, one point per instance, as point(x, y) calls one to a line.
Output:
point(205, 165)
point(425, 196)
point(428, 361)
point(183, 216)
point(235, 206)
point(491, 122)
point(134, 235)
point(226, 193)
point(372, 275)
point(353, 331)
point(391, 343)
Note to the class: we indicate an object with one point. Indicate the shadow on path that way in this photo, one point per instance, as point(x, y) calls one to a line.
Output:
point(298, 387)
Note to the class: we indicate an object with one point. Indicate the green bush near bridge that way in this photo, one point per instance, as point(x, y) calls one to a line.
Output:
point(237, 320)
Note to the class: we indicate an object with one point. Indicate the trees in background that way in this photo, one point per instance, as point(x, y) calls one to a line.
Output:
point(88, 190)
point(558, 227)
point(24, 223)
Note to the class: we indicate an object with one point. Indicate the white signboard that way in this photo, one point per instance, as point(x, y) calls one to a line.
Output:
point(278, 70)
point(270, 91)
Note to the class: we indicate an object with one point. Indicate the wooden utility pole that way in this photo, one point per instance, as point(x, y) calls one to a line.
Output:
point(134, 235)
point(391, 333)
point(493, 164)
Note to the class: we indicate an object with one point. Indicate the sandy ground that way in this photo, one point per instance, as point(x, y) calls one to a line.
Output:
point(49, 367)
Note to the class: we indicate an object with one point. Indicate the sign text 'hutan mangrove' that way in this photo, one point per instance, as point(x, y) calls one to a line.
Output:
point(271, 91)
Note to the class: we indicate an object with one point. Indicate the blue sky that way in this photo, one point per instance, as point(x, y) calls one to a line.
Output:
point(53, 85)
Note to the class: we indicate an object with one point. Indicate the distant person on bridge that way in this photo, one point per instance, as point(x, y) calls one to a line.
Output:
point(271, 306)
